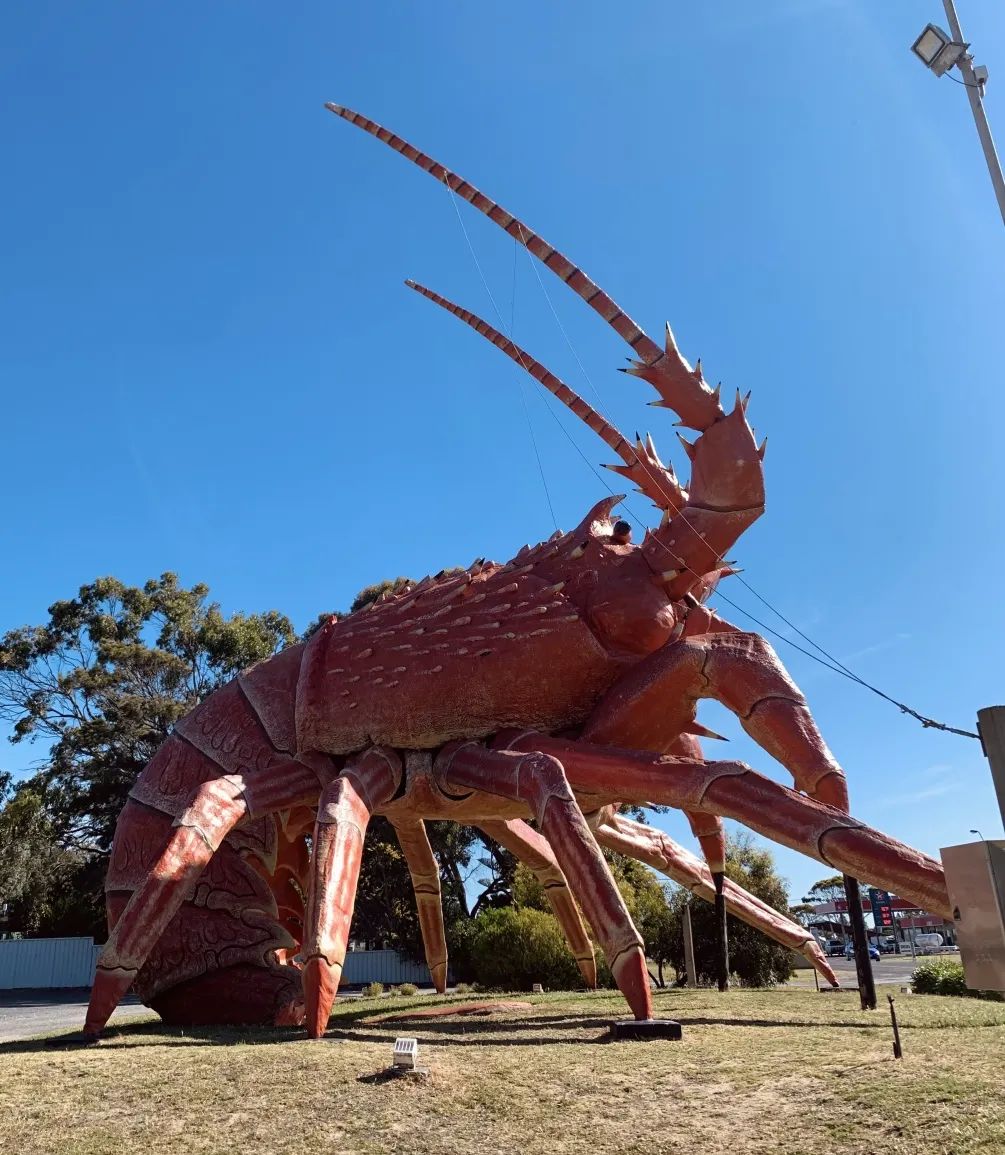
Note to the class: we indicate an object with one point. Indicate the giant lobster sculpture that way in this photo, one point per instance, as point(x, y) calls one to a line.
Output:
point(556, 686)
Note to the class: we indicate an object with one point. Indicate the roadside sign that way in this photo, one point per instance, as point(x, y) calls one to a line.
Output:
point(882, 907)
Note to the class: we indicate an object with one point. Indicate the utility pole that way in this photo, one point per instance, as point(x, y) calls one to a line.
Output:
point(721, 932)
point(991, 727)
point(940, 54)
point(863, 964)
point(975, 92)
point(689, 967)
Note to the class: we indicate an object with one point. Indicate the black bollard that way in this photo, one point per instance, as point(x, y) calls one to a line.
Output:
point(722, 932)
point(863, 964)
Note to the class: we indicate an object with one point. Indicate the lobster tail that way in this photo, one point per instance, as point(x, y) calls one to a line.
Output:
point(217, 960)
point(208, 865)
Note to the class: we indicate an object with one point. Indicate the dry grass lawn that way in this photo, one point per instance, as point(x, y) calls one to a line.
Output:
point(788, 1072)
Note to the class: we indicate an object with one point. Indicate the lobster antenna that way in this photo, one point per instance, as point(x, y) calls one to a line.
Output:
point(641, 464)
point(680, 387)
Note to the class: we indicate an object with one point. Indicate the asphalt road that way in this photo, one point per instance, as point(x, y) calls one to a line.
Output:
point(891, 968)
point(24, 1014)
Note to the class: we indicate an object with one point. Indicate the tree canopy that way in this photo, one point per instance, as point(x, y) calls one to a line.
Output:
point(100, 684)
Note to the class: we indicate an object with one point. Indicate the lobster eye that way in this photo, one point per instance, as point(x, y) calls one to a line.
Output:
point(621, 534)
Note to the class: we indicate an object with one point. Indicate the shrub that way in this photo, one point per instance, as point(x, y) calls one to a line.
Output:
point(464, 988)
point(408, 989)
point(373, 990)
point(944, 976)
point(512, 949)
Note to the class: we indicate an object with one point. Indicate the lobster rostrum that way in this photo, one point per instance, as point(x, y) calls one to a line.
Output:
point(557, 687)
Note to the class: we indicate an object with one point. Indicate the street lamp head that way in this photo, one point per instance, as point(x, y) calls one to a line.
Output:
point(977, 832)
point(937, 50)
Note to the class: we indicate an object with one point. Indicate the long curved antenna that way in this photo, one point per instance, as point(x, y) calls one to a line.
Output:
point(680, 387)
point(641, 462)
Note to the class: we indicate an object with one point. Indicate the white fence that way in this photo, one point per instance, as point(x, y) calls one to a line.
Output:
point(383, 966)
point(52, 963)
point(46, 963)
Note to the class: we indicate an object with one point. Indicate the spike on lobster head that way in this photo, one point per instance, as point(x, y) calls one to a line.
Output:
point(607, 578)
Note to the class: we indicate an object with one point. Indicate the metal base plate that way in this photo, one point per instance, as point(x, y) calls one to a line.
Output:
point(626, 1029)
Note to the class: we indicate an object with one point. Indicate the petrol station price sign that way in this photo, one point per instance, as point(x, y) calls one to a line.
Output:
point(882, 907)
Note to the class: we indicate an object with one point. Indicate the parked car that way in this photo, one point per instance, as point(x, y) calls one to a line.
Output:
point(887, 946)
point(849, 951)
point(835, 948)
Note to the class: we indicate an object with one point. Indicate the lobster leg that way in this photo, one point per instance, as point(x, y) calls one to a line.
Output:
point(540, 782)
point(215, 809)
point(531, 848)
point(658, 697)
point(343, 815)
point(425, 872)
point(606, 775)
point(659, 851)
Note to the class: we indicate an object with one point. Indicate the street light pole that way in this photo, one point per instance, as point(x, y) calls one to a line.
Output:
point(975, 93)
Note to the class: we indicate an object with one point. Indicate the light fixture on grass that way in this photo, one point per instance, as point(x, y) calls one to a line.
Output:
point(406, 1052)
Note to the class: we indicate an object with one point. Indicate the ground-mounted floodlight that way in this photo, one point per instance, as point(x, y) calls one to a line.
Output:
point(937, 50)
point(406, 1052)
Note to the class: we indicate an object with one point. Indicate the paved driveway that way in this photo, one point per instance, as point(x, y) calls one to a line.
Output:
point(27, 1013)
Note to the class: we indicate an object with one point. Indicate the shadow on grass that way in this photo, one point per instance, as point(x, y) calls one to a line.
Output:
point(437, 1033)
point(350, 1026)
point(178, 1036)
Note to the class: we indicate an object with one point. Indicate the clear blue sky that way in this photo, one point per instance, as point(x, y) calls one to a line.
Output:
point(209, 363)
